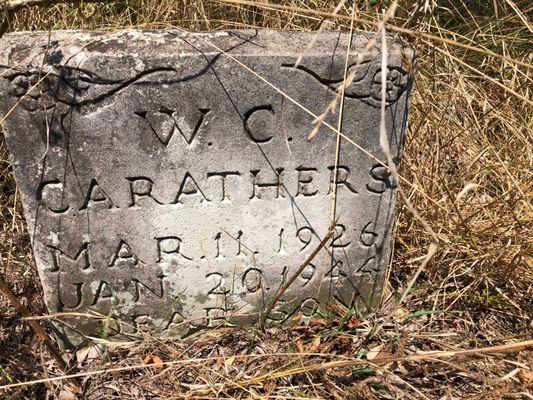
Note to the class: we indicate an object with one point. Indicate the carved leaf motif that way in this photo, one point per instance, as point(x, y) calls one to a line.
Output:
point(31, 91)
point(396, 84)
point(365, 81)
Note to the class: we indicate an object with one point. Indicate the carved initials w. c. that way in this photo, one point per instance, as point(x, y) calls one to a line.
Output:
point(164, 123)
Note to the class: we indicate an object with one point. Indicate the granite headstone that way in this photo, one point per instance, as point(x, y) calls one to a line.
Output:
point(169, 184)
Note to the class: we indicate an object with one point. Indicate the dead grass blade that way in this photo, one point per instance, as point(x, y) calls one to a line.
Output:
point(14, 5)
point(41, 334)
point(423, 357)
point(384, 143)
point(375, 24)
point(339, 126)
point(316, 117)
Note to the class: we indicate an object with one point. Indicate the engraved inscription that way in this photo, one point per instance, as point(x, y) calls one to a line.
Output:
point(214, 187)
point(380, 179)
point(189, 191)
point(217, 284)
point(305, 179)
point(171, 190)
point(96, 197)
point(61, 260)
point(305, 236)
point(252, 279)
point(307, 273)
point(70, 295)
point(123, 256)
point(168, 249)
point(261, 189)
point(257, 123)
point(141, 288)
point(368, 236)
point(141, 191)
point(224, 176)
point(338, 240)
point(103, 291)
point(165, 121)
point(342, 175)
point(50, 195)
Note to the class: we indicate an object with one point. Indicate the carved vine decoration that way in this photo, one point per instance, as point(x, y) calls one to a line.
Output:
point(366, 85)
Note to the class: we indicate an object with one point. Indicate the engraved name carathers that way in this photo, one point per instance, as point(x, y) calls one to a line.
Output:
point(228, 186)
point(166, 189)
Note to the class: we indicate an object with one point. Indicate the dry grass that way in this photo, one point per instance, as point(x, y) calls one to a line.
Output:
point(469, 149)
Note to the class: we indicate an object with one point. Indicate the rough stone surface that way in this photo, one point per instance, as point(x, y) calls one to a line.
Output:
point(169, 187)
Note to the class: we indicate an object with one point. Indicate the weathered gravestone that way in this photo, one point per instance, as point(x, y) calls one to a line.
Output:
point(168, 186)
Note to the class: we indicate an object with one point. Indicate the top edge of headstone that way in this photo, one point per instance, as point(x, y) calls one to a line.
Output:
point(15, 45)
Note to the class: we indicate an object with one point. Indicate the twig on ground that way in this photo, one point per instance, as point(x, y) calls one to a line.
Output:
point(430, 356)
point(41, 334)
point(346, 362)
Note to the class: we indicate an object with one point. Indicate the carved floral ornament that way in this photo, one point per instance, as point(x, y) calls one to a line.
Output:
point(366, 83)
point(71, 85)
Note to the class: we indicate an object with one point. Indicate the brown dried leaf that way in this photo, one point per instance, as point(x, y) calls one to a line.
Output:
point(384, 355)
point(158, 363)
point(315, 344)
point(353, 323)
point(240, 359)
point(299, 346)
point(67, 395)
point(298, 317)
point(317, 322)
point(300, 328)
point(400, 313)
point(525, 376)
point(374, 352)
